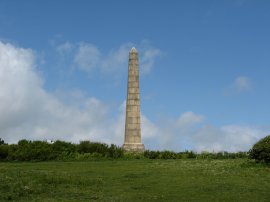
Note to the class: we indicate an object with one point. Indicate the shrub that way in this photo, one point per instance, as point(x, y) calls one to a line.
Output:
point(205, 155)
point(40, 150)
point(27, 151)
point(187, 155)
point(3, 152)
point(87, 156)
point(91, 147)
point(151, 154)
point(21, 151)
point(115, 152)
point(167, 155)
point(241, 154)
point(133, 155)
point(261, 150)
point(61, 148)
point(2, 141)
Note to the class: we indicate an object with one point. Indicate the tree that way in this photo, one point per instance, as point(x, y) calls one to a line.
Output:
point(261, 150)
point(2, 141)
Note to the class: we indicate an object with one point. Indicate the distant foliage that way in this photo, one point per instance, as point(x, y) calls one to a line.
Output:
point(115, 152)
point(2, 141)
point(3, 152)
point(261, 150)
point(191, 155)
point(151, 154)
point(91, 147)
point(222, 155)
point(26, 150)
point(3, 149)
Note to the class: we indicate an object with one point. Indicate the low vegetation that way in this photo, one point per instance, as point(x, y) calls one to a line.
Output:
point(261, 150)
point(135, 180)
point(91, 171)
point(26, 150)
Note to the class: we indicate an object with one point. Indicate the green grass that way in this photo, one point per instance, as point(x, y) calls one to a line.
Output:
point(136, 180)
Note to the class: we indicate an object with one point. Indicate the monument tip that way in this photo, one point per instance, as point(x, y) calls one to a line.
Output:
point(133, 50)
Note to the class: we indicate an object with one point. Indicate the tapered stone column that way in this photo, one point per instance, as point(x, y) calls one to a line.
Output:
point(133, 140)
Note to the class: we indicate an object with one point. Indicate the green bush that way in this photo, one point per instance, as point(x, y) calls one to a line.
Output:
point(151, 154)
point(187, 155)
point(2, 141)
point(133, 155)
point(3, 151)
point(26, 150)
point(167, 155)
point(31, 150)
point(91, 147)
point(87, 156)
point(115, 152)
point(261, 150)
point(21, 151)
point(61, 148)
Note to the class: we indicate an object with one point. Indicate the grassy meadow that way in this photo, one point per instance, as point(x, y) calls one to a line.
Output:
point(135, 180)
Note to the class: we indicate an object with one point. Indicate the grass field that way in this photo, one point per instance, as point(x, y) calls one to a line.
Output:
point(136, 180)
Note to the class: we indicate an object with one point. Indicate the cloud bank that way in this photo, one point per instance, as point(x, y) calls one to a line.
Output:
point(29, 111)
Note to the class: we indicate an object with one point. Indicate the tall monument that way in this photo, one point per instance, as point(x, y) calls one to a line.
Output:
point(133, 140)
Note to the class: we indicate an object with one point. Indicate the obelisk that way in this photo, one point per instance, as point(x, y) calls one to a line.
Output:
point(133, 140)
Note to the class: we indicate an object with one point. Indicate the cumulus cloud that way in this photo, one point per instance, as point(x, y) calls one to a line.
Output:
point(226, 138)
point(189, 131)
point(28, 111)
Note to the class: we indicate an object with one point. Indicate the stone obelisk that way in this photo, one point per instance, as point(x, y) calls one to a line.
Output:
point(133, 140)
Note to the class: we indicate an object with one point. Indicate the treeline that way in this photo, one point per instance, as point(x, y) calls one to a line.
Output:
point(193, 155)
point(26, 150)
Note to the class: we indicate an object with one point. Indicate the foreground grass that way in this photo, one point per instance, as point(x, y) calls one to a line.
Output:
point(135, 180)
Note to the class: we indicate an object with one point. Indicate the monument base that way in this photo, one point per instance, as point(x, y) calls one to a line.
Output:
point(133, 147)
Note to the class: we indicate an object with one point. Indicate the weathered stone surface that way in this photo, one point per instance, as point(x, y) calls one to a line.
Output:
point(133, 119)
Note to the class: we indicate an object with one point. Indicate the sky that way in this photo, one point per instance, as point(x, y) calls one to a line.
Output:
point(204, 71)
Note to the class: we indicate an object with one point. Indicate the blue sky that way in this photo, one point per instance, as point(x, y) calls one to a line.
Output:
point(204, 71)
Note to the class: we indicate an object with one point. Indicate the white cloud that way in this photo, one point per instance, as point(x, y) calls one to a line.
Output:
point(148, 59)
point(190, 132)
point(87, 57)
point(29, 111)
point(188, 119)
point(242, 83)
point(65, 48)
point(226, 138)
point(116, 61)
